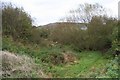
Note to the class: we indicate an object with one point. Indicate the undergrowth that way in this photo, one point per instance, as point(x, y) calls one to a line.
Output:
point(88, 64)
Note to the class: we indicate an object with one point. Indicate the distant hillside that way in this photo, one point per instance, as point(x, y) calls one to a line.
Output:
point(59, 24)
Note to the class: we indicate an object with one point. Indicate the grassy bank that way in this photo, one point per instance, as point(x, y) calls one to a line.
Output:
point(87, 63)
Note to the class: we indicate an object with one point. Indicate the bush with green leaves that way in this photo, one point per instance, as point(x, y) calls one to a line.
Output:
point(113, 68)
point(99, 30)
point(16, 22)
point(115, 46)
point(30, 50)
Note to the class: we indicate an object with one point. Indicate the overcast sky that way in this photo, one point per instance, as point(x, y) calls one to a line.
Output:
point(49, 11)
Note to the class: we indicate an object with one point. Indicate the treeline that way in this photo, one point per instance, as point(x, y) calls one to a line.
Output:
point(18, 24)
point(97, 36)
point(101, 33)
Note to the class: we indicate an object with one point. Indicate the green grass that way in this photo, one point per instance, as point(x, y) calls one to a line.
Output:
point(89, 63)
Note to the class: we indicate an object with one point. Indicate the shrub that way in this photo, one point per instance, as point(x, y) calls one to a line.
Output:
point(95, 37)
point(53, 58)
point(115, 49)
point(16, 22)
point(113, 68)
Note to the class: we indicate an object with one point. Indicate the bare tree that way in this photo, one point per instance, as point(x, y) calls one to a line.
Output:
point(84, 13)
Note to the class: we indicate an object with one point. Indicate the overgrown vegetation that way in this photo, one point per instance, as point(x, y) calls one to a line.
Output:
point(68, 49)
point(18, 66)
